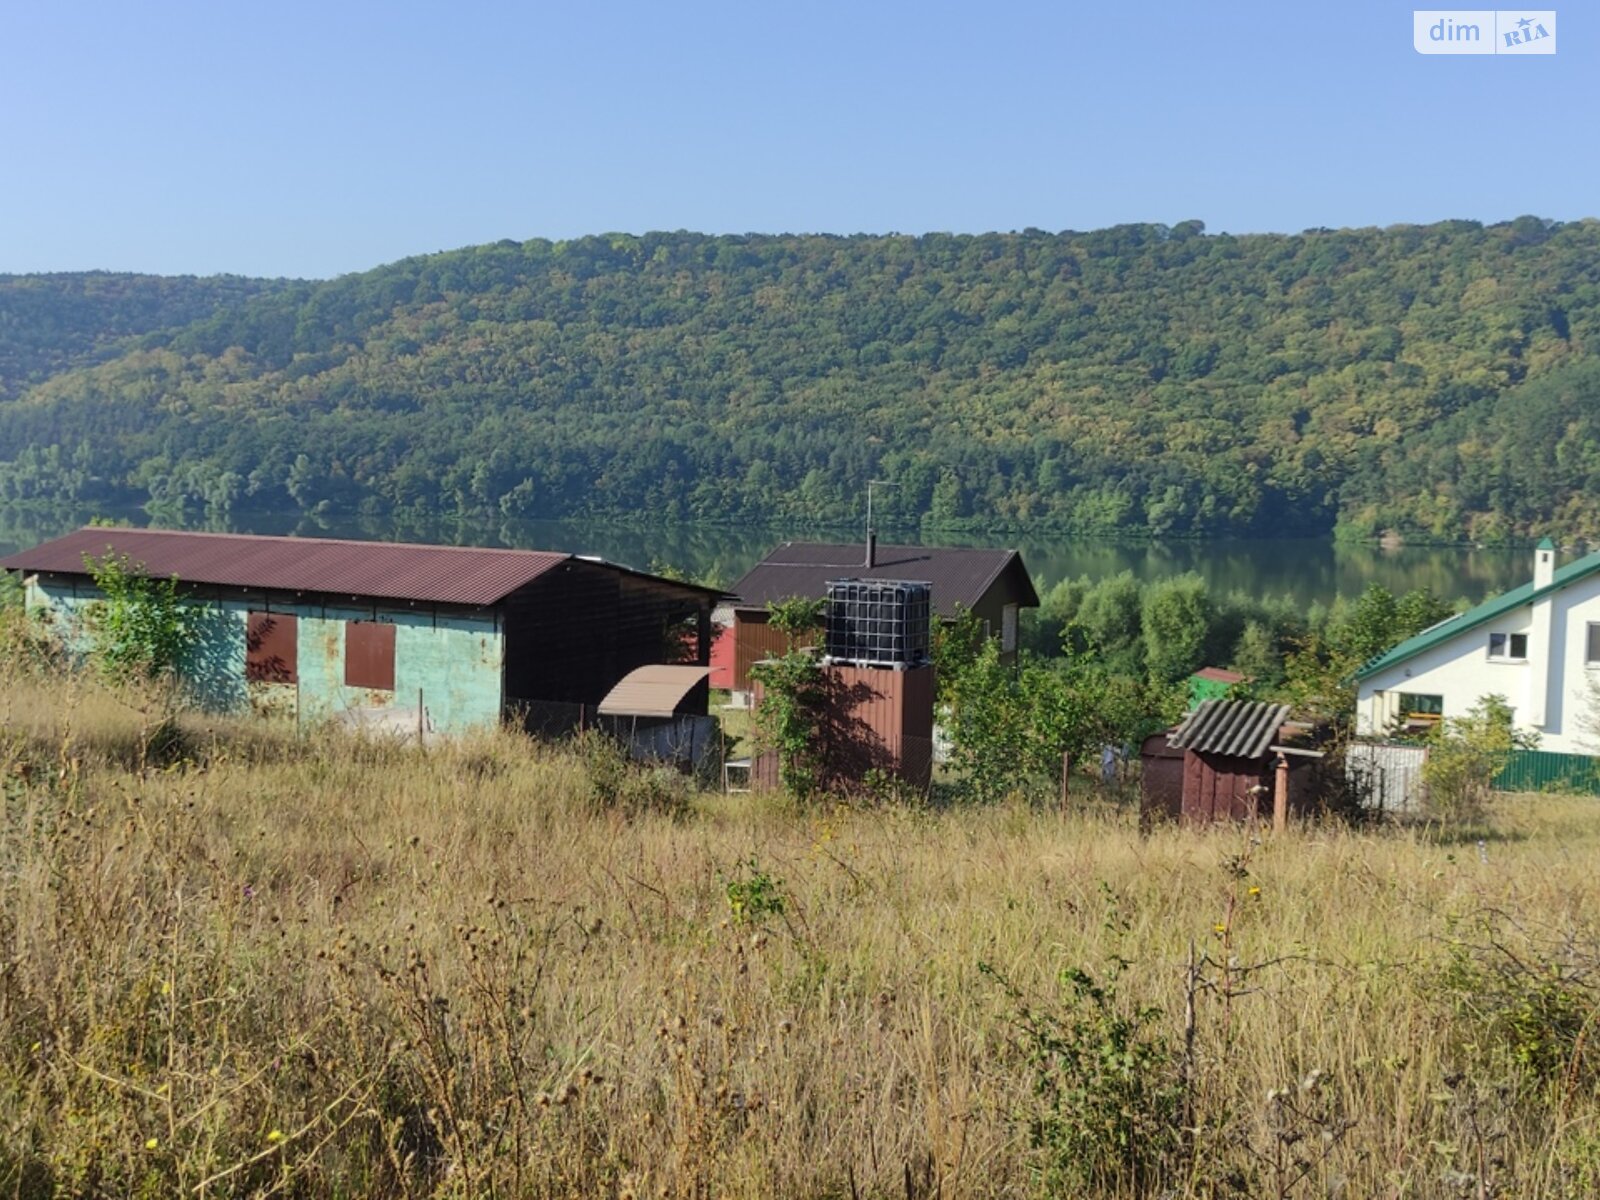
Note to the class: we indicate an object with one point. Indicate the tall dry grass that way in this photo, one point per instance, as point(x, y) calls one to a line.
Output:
point(232, 963)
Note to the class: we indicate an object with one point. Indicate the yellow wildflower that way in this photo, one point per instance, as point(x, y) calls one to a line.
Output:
point(1221, 929)
point(275, 1136)
point(152, 1144)
point(1255, 891)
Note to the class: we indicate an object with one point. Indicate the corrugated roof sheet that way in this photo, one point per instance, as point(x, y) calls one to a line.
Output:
point(960, 575)
point(652, 691)
point(1241, 728)
point(1489, 610)
point(382, 570)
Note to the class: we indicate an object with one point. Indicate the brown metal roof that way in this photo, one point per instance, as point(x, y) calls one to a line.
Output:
point(960, 575)
point(383, 570)
point(1241, 728)
point(653, 691)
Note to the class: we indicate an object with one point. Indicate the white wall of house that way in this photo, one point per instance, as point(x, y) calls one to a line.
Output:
point(1549, 691)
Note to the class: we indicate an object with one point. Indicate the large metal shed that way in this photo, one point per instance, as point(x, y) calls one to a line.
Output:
point(454, 637)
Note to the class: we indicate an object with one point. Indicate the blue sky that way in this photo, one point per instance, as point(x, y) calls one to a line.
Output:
point(315, 139)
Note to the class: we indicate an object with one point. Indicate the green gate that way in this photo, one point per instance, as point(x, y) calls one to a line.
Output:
point(1545, 771)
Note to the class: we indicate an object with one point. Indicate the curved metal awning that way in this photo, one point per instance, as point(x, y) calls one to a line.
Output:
point(653, 691)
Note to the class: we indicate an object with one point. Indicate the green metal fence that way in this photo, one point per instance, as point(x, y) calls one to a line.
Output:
point(1544, 771)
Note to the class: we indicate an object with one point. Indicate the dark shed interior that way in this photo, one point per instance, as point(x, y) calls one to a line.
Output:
point(573, 632)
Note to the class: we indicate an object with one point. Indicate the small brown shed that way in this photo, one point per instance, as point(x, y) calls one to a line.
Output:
point(1227, 760)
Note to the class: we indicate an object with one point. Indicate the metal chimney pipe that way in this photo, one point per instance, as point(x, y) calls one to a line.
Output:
point(872, 537)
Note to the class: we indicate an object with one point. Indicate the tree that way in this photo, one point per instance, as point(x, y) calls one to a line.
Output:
point(1464, 756)
point(142, 628)
point(1257, 655)
point(1319, 670)
point(956, 646)
point(1039, 381)
point(990, 726)
point(790, 717)
point(1011, 726)
point(1175, 621)
point(1110, 624)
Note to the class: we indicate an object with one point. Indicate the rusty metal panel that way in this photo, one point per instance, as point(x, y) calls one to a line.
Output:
point(1160, 780)
point(755, 639)
point(369, 655)
point(1218, 787)
point(879, 719)
point(385, 570)
point(272, 648)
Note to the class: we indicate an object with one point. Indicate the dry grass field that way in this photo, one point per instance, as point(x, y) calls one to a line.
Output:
point(236, 964)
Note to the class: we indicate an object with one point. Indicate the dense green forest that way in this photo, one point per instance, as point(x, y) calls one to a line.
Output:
point(53, 323)
point(1435, 380)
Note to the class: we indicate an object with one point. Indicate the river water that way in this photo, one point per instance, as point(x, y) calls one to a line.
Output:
point(1307, 570)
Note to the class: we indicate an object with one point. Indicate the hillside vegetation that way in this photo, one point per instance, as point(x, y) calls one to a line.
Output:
point(53, 323)
point(235, 963)
point(1439, 380)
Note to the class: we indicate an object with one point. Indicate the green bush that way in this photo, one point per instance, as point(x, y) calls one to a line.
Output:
point(1107, 1090)
point(1527, 1006)
point(1465, 756)
point(618, 784)
point(142, 629)
point(790, 717)
point(754, 896)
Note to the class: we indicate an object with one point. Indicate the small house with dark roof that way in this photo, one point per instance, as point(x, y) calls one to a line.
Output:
point(1537, 646)
point(994, 585)
point(413, 637)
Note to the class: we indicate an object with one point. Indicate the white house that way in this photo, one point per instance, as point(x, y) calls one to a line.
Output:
point(1538, 646)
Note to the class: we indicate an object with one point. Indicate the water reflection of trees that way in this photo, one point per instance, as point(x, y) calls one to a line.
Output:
point(1306, 570)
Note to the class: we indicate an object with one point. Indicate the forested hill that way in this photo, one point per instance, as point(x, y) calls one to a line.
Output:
point(1441, 380)
point(51, 323)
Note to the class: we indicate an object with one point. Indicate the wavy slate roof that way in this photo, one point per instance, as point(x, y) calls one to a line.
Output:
point(1489, 610)
point(959, 574)
point(384, 570)
point(1241, 728)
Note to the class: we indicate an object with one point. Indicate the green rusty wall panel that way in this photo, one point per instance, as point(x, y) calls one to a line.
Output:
point(213, 670)
point(455, 661)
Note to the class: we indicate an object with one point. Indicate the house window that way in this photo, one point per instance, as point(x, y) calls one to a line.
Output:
point(272, 648)
point(1591, 654)
point(1508, 647)
point(369, 655)
point(1416, 707)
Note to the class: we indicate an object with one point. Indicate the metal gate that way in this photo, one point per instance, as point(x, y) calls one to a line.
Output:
point(1387, 775)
